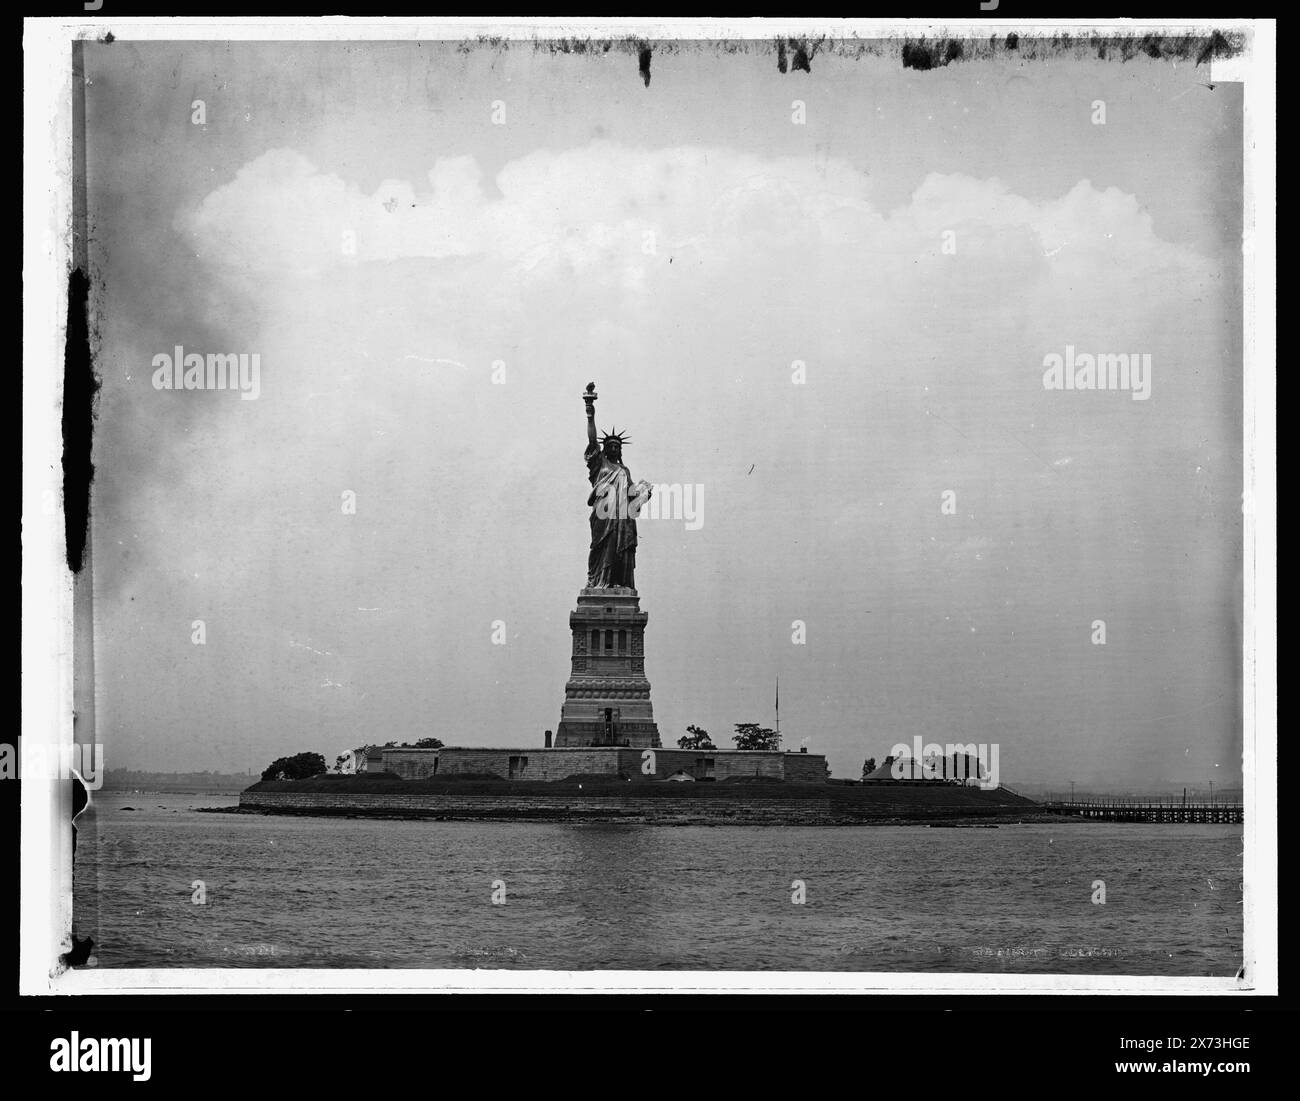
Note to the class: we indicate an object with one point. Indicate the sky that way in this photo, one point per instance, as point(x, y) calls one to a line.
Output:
point(837, 327)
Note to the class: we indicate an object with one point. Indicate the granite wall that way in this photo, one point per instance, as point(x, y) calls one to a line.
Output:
point(636, 764)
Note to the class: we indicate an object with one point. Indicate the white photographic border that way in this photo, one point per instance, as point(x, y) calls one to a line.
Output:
point(49, 596)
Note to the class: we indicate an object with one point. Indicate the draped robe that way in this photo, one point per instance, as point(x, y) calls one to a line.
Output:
point(612, 560)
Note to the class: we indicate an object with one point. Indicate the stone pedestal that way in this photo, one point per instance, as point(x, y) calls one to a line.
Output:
point(607, 697)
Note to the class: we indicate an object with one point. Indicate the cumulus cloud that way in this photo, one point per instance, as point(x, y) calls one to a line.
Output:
point(608, 208)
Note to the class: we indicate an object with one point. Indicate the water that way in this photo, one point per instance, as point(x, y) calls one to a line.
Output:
point(324, 892)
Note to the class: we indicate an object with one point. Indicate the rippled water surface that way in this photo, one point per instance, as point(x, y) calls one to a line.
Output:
point(324, 892)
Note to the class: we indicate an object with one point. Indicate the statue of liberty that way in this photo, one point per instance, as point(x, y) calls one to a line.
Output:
point(615, 503)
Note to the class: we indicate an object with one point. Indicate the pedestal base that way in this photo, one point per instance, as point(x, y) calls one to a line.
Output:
point(607, 697)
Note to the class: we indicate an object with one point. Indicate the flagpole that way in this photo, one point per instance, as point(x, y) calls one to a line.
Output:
point(778, 708)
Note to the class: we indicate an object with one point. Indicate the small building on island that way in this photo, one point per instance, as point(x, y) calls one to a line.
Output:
point(960, 768)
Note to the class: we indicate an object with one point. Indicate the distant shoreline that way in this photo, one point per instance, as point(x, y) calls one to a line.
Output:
point(142, 782)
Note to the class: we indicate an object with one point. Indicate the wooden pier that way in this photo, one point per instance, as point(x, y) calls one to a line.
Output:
point(1147, 810)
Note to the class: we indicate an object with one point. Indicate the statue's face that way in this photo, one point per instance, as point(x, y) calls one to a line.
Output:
point(614, 449)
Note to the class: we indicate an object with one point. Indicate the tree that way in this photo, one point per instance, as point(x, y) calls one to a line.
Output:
point(426, 743)
point(868, 767)
point(753, 736)
point(297, 767)
point(695, 738)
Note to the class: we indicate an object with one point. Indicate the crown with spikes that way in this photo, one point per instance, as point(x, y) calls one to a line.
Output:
point(614, 434)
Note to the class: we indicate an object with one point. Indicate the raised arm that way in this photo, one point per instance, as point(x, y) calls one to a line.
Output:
point(589, 398)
